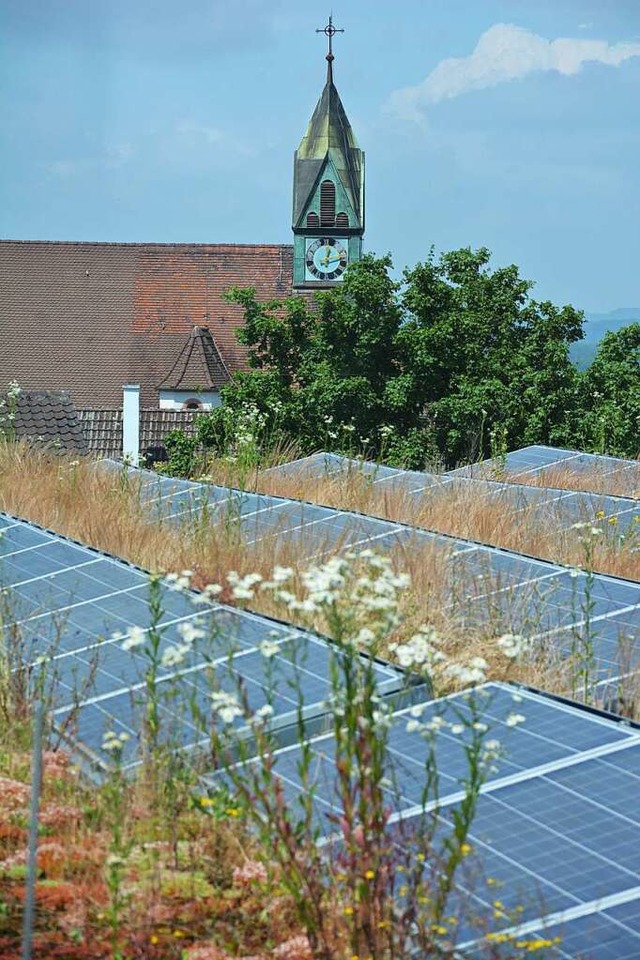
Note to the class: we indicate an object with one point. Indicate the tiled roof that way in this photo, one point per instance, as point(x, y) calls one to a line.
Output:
point(199, 365)
point(102, 429)
point(89, 317)
point(48, 417)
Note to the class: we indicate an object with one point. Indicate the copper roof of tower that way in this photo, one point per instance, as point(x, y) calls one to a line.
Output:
point(329, 134)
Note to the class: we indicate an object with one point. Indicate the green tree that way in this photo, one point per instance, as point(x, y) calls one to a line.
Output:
point(409, 371)
point(607, 418)
point(480, 352)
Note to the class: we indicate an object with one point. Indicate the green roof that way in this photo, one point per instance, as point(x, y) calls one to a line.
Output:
point(329, 134)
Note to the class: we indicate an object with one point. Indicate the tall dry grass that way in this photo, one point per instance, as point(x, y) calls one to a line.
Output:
point(81, 500)
point(459, 510)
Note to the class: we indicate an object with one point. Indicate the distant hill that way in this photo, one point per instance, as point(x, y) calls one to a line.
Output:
point(595, 327)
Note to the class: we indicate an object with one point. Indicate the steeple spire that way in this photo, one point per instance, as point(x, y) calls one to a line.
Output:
point(330, 32)
point(328, 188)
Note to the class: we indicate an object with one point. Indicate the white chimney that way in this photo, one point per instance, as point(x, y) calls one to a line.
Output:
point(131, 423)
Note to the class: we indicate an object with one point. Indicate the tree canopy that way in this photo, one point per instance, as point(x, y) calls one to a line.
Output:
point(455, 362)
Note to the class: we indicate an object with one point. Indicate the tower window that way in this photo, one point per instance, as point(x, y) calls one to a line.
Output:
point(342, 220)
point(313, 221)
point(327, 203)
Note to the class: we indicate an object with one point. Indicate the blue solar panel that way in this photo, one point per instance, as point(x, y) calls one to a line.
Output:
point(67, 601)
point(536, 459)
point(556, 837)
point(488, 588)
point(561, 506)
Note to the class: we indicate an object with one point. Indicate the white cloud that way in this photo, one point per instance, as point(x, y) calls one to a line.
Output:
point(114, 157)
point(195, 134)
point(506, 52)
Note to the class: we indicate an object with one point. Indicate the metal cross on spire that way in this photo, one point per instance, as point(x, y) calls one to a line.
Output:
point(330, 32)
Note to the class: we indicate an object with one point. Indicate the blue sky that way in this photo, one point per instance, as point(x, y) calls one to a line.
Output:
point(513, 124)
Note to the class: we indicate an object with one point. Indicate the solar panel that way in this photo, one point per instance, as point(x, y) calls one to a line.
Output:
point(556, 837)
point(489, 588)
point(65, 602)
point(557, 505)
point(536, 459)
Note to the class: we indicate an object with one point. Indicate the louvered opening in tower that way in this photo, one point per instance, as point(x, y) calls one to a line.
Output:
point(327, 203)
point(313, 221)
point(342, 220)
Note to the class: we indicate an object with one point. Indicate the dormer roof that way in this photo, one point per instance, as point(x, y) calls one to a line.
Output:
point(199, 365)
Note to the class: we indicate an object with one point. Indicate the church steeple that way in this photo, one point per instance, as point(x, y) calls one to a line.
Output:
point(328, 189)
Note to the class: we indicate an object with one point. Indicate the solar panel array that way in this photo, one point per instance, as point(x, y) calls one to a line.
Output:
point(556, 837)
point(557, 505)
point(575, 613)
point(73, 606)
point(537, 459)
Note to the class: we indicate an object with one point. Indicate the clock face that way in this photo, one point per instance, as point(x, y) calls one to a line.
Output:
point(326, 258)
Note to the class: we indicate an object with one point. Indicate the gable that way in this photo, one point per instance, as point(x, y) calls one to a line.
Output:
point(329, 171)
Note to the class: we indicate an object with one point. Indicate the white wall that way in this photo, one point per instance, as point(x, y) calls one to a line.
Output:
point(176, 399)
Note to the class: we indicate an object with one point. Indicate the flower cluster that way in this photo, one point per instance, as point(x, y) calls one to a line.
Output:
point(420, 651)
point(114, 742)
point(226, 706)
point(513, 645)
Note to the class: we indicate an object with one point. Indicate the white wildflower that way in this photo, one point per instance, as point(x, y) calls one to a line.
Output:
point(242, 587)
point(264, 712)
point(457, 728)
point(268, 648)
point(208, 594)
point(513, 645)
point(514, 719)
point(418, 709)
point(226, 706)
point(179, 581)
point(465, 675)
point(175, 655)
point(135, 637)
point(190, 631)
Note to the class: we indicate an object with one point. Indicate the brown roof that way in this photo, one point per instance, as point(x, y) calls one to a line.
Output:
point(102, 429)
point(89, 317)
point(199, 365)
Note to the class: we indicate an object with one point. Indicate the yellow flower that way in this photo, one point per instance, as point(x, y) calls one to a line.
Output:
point(178, 934)
point(233, 811)
point(153, 939)
point(499, 937)
point(206, 801)
point(600, 515)
point(348, 911)
point(439, 929)
point(465, 849)
point(369, 874)
point(612, 520)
